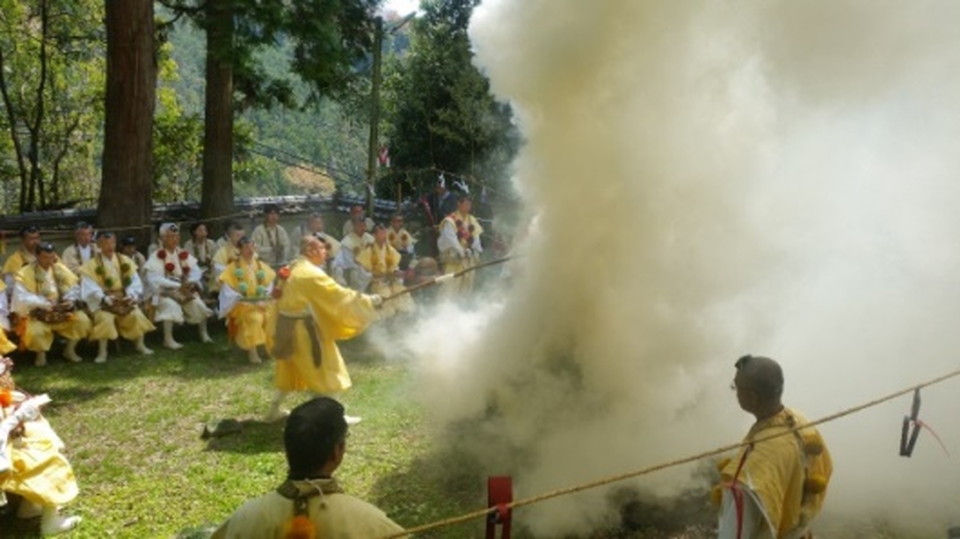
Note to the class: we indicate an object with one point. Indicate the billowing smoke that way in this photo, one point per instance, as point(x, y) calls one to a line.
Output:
point(703, 180)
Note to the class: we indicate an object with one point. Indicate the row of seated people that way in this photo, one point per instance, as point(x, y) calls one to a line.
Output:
point(111, 294)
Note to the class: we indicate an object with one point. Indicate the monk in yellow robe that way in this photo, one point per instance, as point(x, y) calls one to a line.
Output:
point(775, 487)
point(459, 246)
point(382, 261)
point(110, 286)
point(228, 250)
point(44, 298)
point(313, 313)
point(32, 464)
point(27, 253)
point(245, 287)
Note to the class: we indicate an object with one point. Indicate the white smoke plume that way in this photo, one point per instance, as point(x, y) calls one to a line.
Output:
point(704, 180)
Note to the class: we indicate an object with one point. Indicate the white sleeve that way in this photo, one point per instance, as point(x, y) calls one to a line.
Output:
point(135, 290)
point(157, 280)
point(753, 525)
point(25, 301)
point(196, 272)
point(477, 247)
point(4, 312)
point(228, 298)
point(91, 293)
point(448, 238)
point(72, 293)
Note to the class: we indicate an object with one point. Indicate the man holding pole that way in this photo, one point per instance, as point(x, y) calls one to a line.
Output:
point(313, 313)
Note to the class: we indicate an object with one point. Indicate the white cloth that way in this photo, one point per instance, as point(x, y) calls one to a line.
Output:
point(273, 244)
point(25, 301)
point(4, 312)
point(345, 268)
point(229, 297)
point(158, 280)
point(348, 226)
point(754, 525)
point(92, 293)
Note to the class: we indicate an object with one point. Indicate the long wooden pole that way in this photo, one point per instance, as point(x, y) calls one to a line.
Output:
point(446, 277)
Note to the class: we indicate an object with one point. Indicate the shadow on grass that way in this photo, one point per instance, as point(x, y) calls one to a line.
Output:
point(435, 486)
point(255, 437)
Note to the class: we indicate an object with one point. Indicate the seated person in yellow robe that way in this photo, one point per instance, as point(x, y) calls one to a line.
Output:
point(203, 248)
point(382, 261)
point(5, 345)
point(401, 240)
point(313, 312)
point(310, 500)
point(459, 246)
point(27, 253)
point(81, 250)
point(44, 298)
point(344, 267)
point(228, 250)
point(173, 287)
point(32, 465)
point(775, 487)
point(245, 287)
point(110, 286)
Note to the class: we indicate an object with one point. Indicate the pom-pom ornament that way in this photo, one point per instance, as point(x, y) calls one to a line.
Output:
point(299, 527)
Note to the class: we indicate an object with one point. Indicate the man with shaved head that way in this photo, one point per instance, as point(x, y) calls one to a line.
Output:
point(313, 312)
point(776, 485)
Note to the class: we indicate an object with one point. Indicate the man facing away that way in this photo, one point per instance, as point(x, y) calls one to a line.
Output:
point(310, 500)
point(776, 485)
point(313, 312)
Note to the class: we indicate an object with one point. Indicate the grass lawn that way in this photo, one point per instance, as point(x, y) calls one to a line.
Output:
point(132, 428)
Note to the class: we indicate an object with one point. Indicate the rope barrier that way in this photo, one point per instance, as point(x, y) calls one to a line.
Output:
point(673, 463)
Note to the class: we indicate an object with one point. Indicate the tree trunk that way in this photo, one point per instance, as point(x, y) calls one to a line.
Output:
point(126, 185)
point(216, 196)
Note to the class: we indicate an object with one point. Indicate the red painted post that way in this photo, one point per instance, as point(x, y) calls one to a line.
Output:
point(499, 494)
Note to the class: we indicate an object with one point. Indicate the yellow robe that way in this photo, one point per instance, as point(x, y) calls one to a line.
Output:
point(107, 325)
point(334, 514)
point(382, 261)
point(451, 258)
point(789, 473)
point(247, 320)
point(310, 296)
point(39, 472)
point(35, 335)
point(16, 261)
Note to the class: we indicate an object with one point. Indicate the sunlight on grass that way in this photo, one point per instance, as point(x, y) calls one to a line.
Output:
point(132, 429)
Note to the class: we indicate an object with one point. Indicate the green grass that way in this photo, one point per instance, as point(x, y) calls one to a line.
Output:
point(132, 428)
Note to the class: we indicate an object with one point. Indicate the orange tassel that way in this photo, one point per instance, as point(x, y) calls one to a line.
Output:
point(6, 398)
point(299, 527)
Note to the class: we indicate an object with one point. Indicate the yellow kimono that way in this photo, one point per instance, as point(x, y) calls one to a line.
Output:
point(117, 277)
point(313, 313)
point(245, 301)
point(5, 345)
point(460, 248)
point(39, 472)
point(16, 261)
point(39, 288)
point(789, 474)
point(401, 240)
point(226, 254)
point(383, 261)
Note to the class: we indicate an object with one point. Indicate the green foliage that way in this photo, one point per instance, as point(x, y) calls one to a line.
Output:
point(53, 73)
point(437, 106)
point(177, 138)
